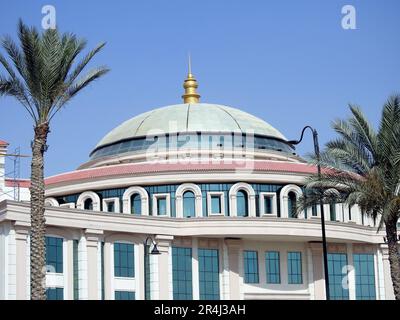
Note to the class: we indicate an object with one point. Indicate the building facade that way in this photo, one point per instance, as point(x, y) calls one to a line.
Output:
point(216, 189)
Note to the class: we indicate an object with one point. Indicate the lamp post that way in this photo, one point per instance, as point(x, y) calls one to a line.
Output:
point(154, 251)
point(324, 247)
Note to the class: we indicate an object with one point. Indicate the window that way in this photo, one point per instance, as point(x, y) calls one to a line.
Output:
point(110, 206)
point(337, 272)
point(215, 204)
point(182, 273)
point(242, 204)
point(124, 295)
point(75, 268)
point(88, 204)
point(250, 266)
point(295, 275)
point(208, 274)
point(267, 203)
point(136, 204)
point(55, 294)
point(332, 211)
point(365, 276)
point(314, 211)
point(272, 266)
point(349, 213)
point(124, 260)
point(189, 207)
point(292, 203)
point(54, 254)
point(161, 206)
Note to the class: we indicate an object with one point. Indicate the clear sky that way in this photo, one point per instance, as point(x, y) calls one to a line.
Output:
point(288, 62)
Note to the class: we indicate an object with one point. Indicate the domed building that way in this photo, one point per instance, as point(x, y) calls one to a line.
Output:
point(192, 201)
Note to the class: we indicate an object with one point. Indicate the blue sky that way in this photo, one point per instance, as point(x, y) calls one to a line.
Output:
point(288, 62)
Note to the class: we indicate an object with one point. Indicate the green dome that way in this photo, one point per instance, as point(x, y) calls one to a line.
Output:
point(193, 117)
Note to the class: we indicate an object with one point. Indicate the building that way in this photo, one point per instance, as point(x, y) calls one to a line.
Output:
point(215, 189)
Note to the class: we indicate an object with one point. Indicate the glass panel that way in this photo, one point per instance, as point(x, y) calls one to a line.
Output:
point(88, 204)
point(54, 254)
point(182, 273)
point(295, 275)
point(124, 295)
point(267, 205)
point(272, 266)
point(250, 266)
point(292, 204)
point(161, 206)
point(337, 272)
point(332, 210)
point(365, 276)
point(216, 204)
point(189, 209)
point(136, 204)
point(55, 293)
point(208, 274)
point(242, 204)
point(75, 269)
point(314, 211)
point(124, 260)
point(110, 206)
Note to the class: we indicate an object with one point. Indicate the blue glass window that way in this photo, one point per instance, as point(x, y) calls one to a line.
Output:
point(124, 295)
point(292, 203)
point(208, 274)
point(365, 276)
point(215, 204)
point(242, 204)
point(75, 245)
point(54, 254)
point(337, 272)
point(55, 293)
point(182, 273)
point(272, 266)
point(136, 204)
point(267, 205)
point(250, 266)
point(314, 211)
point(189, 209)
point(161, 206)
point(332, 210)
point(110, 206)
point(295, 273)
point(124, 260)
point(88, 204)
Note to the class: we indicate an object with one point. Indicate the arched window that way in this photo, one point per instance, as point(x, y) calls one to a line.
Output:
point(242, 204)
point(88, 204)
point(189, 207)
point(136, 204)
point(292, 202)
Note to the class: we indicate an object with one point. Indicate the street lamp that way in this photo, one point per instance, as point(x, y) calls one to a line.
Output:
point(154, 251)
point(317, 154)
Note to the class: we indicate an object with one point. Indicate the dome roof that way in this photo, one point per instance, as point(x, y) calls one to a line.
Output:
point(190, 117)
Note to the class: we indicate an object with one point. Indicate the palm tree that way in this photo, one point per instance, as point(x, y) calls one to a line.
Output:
point(362, 167)
point(42, 74)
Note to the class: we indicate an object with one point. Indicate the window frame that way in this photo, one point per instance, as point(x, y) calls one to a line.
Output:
point(116, 201)
point(274, 205)
point(221, 195)
point(167, 197)
point(292, 274)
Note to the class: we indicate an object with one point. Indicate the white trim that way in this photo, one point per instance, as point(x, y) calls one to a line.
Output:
point(70, 205)
point(209, 204)
point(274, 197)
point(116, 204)
point(126, 198)
point(80, 203)
point(197, 195)
point(250, 198)
point(156, 196)
point(51, 202)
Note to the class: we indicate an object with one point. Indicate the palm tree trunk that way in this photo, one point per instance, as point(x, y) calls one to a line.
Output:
point(38, 227)
point(394, 257)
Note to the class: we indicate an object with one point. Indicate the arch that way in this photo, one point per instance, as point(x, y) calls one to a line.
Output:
point(80, 204)
point(251, 196)
point(127, 196)
point(195, 189)
point(51, 202)
point(284, 198)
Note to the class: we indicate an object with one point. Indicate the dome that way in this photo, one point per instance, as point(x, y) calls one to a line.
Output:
point(190, 117)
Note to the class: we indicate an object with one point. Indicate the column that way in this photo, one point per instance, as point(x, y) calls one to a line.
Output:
point(92, 239)
point(163, 245)
point(351, 276)
point(195, 269)
point(21, 242)
point(318, 270)
point(108, 275)
point(389, 294)
point(234, 246)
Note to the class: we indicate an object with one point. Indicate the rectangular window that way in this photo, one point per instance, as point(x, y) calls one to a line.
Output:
point(55, 293)
point(272, 266)
point(54, 254)
point(110, 206)
point(337, 272)
point(314, 211)
point(124, 260)
point(124, 295)
point(365, 276)
point(332, 210)
point(208, 274)
point(182, 273)
point(75, 268)
point(250, 266)
point(161, 206)
point(215, 204)
point(295, 273)
point(267, 205)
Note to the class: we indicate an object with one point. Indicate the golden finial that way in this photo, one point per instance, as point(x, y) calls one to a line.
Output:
point(190, 85)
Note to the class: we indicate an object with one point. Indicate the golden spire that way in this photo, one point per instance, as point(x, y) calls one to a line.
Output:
point(190, 85)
